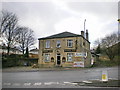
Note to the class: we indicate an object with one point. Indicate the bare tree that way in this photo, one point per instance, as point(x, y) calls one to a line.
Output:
point(8, 29)
point(26, 38)
point(4, 20)
point(107, 43)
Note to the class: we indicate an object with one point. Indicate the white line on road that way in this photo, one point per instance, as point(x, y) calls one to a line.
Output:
point(37, 84)
point(112, 78)
point(74, 83)
point(7, 84)
point(16, 84)
point(49, 83)
point(70, 83)
point(66, 82)
point(86, 81)
point(27, 84)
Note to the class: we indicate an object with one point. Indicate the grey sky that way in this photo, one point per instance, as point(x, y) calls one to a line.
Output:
point(55, 16)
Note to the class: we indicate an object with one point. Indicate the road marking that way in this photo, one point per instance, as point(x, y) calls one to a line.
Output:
point(27, 84)
point(7, 84)
point(112, 78)
point(66, 82)
point(74, 83)
point(54, 82)
point(70, 83)
point(16, 84)
point(49, 83)
point(86, 81)
point(95, 79)
point(37, 84)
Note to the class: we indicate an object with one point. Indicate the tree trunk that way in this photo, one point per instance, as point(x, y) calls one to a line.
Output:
point(8, 50)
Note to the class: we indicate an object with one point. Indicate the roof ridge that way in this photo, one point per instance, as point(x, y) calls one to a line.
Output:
point(61, 35)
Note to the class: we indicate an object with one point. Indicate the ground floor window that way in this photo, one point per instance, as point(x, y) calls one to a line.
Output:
point(69, 57)
point(46, 57)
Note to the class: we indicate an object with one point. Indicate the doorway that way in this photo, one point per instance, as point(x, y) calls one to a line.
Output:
point(58, 59)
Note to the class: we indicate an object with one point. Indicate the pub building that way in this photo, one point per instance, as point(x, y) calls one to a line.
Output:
point(65, 49)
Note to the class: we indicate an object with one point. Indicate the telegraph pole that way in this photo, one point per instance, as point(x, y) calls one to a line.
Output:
point(84, 42)
point(84, 27)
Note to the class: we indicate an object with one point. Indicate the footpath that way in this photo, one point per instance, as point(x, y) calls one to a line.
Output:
point(30, 69)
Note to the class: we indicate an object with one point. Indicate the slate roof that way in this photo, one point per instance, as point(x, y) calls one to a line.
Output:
point(61, 35)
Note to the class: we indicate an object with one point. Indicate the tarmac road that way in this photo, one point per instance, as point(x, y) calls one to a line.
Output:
point(54, 79)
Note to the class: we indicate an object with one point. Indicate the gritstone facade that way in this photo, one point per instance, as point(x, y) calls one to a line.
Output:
point(65, 49)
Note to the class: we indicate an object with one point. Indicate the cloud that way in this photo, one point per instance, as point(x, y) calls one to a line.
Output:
point(54, 16)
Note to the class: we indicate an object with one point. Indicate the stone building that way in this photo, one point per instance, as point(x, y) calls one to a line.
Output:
point(65, 49)
point(33, 53)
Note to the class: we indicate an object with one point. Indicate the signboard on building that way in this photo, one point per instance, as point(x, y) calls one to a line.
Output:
point(82, 54)
point(78, 64)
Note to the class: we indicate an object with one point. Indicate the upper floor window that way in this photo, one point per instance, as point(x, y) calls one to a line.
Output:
point(58, 44)
point(70, 43)
point(83, 43)
point(47, 44)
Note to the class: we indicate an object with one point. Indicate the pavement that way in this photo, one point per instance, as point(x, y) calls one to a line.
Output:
point(30, 69)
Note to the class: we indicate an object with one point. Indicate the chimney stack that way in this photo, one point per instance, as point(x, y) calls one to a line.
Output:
point(82, 33)
point(87, 34)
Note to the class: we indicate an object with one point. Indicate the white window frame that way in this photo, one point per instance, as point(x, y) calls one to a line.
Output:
point(46, 57)
point(70, 43)
point(47, 44)
point(69, 57)
point(58, 42)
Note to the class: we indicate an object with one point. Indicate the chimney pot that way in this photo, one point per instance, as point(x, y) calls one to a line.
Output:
point(87, 34)
point(82, 33)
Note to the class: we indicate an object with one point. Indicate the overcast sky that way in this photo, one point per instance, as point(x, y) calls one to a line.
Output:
point(50, 17)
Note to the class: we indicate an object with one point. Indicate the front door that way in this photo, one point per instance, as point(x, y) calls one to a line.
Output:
point(58, 59)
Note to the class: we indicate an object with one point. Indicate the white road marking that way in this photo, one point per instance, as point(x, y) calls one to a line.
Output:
point(112, 78)
point(86, 81)
point(47, 83)
point(74, 83)
point(37, 84)
point(7, 84)
point(66, 82)
point(95, 79)
point(16, 84)
point(27, 84)
point(70, 83)
point(50, 83)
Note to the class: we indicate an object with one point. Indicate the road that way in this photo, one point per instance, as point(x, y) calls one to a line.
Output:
point(54, 79)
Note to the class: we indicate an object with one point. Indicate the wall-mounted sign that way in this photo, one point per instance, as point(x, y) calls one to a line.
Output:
point(47, 51)
point(78, 64)
point(82, 54)
point(69, 50)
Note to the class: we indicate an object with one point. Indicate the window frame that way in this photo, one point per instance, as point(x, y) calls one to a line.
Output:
point(58, 42)
point(47, 44)
point(70, 41)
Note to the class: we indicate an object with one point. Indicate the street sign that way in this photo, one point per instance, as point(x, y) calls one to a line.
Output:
point(104, 76)
point(78, 64)
point(82, 54)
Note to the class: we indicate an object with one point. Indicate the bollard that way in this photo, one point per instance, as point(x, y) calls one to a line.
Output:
point(104, 76)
